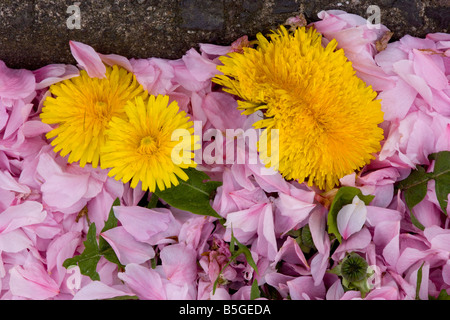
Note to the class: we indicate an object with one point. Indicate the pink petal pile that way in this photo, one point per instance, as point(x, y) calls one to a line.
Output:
point(41, 195)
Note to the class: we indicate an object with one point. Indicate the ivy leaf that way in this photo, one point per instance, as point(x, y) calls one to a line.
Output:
point(344, 196)
point(193, 195)
point(93, 251)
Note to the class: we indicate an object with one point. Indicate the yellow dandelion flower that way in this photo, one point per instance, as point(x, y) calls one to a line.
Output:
point(327, 118)
point(81, 108)
point(144, 145)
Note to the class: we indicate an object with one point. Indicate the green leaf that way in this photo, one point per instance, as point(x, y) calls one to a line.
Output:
point(193, 195)
point(248, 255)
point(415, 185)
point(109, 224)
point(254, 292)
point(441, 175)
point(443, 295)
point(415, 190)
point(343, 197)
point(124, 298)
point(153, 201)
point(242, 249)
point(419, 281)
point(93, 251)
point(87, 261)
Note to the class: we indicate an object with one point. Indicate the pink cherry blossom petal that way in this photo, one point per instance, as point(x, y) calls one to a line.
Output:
point(88, 59)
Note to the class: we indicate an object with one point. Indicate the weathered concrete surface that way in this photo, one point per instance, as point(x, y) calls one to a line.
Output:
point(34, 33)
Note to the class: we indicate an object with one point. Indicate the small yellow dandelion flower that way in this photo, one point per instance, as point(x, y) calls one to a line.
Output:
point(82, 107)
point(144, 146)
point(327, 118)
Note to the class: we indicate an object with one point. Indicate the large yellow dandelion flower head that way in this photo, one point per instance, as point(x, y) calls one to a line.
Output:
point(145, 145)
point(81, 108)
point(326, 117)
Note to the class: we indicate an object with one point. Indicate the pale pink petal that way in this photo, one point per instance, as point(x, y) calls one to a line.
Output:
point(386, 58)
point(317, 226)
point(179, 292)
point(290, 252)
point(446, 273)
point(244, 198)
point(438, 237)
point(368, 71)
point(179, 263)
point(396, 102)
point(14, 241)
point(427, 213)
point(351, 218)
point(53, 73)
point(241, 175)
point(319, 265)
point(97, 290)
point(223, 202)
point(278, 281)
point(7, 182)
point(386, 236)
point(266, 243)
point(16, 83)
point(195, 232)
point(4, 116)
point(246, 220)
point(35, 128)
point(58, 251)
point(269, 182)
point(18, 116)
point(217, 104)
point(202, 69)
point(147, 225)
point(198, 114)
point(114, 59)
point(154, 74)
point(32, 281)
point(88, 59)
point(295, 210)
point(220, 294)
point(408, 257)
point(412, 276)
point(213, 49)
point(99, 208)
point(336, 291)
point(425, 67)
point(351, 295)
point(184, 77)
point(358, 241)
point(384, 293)
point(145, 282)
point(376, 215)
point(405, 70)
point(303, 288)
point(127, 249)
point(24, 214)
point(55, 191)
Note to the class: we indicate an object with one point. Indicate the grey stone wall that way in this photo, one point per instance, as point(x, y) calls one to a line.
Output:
point(34, 33)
